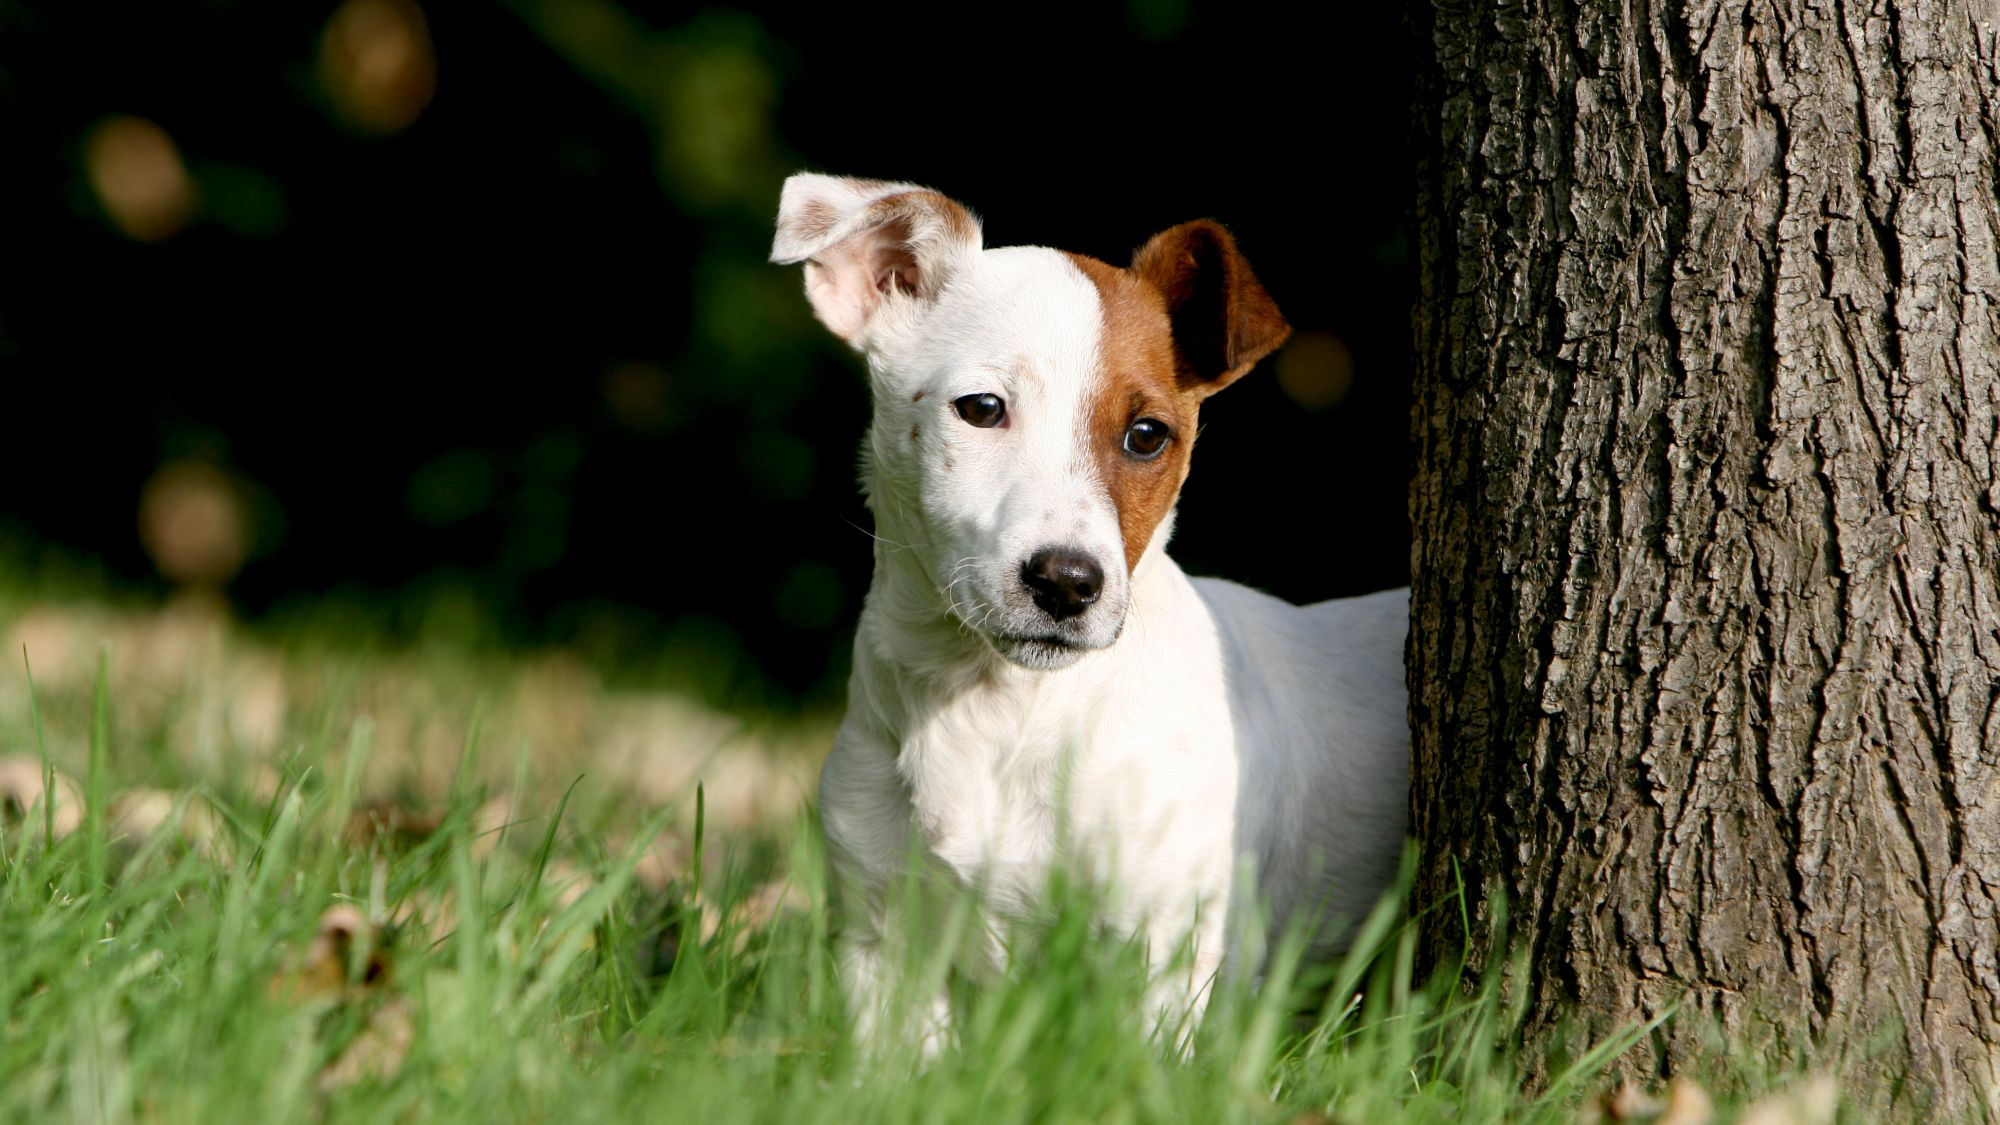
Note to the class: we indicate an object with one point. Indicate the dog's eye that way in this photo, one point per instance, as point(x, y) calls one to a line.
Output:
point(984, 411)
point(1145, 438)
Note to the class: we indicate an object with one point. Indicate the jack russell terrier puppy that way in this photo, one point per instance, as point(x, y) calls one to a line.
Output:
point(1035, 682)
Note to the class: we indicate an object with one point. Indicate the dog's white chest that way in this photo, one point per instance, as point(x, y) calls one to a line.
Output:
point(1130, 779)
point(1000, 843)
point(987, 797)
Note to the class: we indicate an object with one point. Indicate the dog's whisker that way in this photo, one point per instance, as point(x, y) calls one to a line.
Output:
point(878, 537)
point(960, 571)
point(990, 611)
point(965, 624)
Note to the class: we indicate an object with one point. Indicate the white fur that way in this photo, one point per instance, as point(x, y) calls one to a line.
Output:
point(1207, 752)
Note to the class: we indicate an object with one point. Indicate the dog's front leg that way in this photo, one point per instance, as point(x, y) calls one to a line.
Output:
point(1182, 964)
point(876, 977)
point(865, 813)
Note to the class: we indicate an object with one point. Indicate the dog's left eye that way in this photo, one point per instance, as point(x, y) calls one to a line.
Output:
point(984, 411)
point(1145, 438)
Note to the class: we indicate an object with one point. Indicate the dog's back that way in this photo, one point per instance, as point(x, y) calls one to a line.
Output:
point(1318, 700)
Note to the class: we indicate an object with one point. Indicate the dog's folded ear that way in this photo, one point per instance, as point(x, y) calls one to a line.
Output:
point(869, 246)
point(1223, 320)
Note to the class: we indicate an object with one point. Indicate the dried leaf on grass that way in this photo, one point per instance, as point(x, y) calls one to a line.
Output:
point(397, 825)
point(138, 815)
point(490, 824)
point(425, 915)
point(761, 908)
point(326, 971)
point(390, 822)
point(323, 970)
point(661, 865)
point(377, 1051)
point(21, 794)
point(567, 880)
point(749, 916)
point(1685, 1103)
point(1815, 1101)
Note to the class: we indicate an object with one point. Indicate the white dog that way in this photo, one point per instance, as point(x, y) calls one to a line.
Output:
point(1031, 668)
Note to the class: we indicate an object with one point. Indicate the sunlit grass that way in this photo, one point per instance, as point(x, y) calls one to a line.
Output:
point(423, 889)
point(182, 988)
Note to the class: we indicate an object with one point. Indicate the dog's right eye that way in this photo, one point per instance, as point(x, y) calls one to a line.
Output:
point(984, 411)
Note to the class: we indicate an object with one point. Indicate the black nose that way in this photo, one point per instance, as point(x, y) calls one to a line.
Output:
point(1064, 583)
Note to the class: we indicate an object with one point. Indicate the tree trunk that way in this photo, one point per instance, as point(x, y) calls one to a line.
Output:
point(1705, 659)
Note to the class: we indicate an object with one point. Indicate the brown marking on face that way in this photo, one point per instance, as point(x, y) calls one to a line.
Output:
point(1139, 378)
point(1188, 319)
point(918, 397)
point(914, 432)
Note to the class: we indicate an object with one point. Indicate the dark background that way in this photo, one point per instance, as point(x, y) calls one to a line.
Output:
point(490, 344)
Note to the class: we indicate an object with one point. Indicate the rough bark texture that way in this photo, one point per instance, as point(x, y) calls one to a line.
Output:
point(1705, 661)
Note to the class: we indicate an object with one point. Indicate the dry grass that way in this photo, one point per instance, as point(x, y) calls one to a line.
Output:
point(195, 697)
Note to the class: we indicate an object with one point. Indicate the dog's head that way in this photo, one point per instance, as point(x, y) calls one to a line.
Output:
point(1034, 410)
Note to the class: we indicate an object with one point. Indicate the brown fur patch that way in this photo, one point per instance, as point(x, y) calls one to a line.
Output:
point(952, 219)
point(815, 218)
point(912, 229)
point(1139, 379)
point(1223, 319)
point(1186, 320)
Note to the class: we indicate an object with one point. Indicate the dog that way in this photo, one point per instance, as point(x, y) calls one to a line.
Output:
point(1036, 684)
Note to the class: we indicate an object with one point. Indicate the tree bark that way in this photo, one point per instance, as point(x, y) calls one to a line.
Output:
point(1705, 653)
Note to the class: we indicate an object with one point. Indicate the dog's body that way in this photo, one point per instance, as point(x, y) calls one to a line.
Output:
point(1036, 682)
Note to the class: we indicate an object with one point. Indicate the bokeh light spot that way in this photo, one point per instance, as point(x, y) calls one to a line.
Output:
point(139, 177)
point(717, 138)
point(1316, 370)
point(377, 65)
point(193, 525)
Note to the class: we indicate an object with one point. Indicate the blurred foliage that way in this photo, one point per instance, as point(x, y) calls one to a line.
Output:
point(460, 307)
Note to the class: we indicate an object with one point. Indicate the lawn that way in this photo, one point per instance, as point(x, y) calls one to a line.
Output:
point(288, 876)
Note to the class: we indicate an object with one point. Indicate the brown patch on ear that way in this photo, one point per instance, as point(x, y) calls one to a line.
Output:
point(910, 224)
point(1223, 320)
point(952, 220)
point(1139, 378)
point(866, 242)
point(815, 219)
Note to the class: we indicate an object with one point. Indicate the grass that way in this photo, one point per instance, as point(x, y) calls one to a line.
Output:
point(430, 886)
